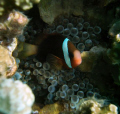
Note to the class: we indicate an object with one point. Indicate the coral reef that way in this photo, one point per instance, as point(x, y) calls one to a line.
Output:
point(7, 63)
point(89, 105)
point(6, 6)
point(60, 85)
point(67, 86)
point(15, 97)
point(12, 27)
point(114, 51)
point(94, 106)
point(74, 89)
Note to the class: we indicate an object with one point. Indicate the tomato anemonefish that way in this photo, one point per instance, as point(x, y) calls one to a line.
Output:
point(57, 50)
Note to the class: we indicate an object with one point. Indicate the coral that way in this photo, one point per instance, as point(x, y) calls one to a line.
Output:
point(12, 27)
point(26, 5)
point(6, 6)
point(12, 46)
point(68, 87)
point(55, 108)
point(9, 64)
point(3, 67)
point(15, 97)
point(114, 29)
point(85, 105)
point(94, 106)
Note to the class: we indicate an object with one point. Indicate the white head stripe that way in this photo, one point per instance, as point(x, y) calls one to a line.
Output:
point(65, 52)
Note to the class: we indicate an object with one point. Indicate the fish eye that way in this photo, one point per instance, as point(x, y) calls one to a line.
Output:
point(71, 55)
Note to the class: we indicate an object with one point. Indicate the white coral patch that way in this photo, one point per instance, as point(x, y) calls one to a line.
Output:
point(15, 97)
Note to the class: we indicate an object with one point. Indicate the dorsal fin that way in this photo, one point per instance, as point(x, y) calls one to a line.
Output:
point(39, 38)
point(43, 36)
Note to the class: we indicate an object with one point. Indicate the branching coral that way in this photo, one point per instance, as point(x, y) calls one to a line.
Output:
point(12, 98)
point(15, 97)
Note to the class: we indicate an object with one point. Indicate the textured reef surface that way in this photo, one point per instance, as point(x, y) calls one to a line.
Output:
point(30, 86)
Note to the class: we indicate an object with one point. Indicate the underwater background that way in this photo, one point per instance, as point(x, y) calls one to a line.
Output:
point(30, 86)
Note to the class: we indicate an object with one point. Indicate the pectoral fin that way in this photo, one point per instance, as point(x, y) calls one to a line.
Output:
point(54, 61)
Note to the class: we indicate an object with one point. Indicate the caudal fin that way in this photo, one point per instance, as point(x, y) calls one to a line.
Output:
point(26, 49)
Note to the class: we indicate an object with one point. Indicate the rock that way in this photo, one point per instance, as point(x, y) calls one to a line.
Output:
point(89, 58)
point(51, 9)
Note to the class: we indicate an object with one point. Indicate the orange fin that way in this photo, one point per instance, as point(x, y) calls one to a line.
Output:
point(54, 61)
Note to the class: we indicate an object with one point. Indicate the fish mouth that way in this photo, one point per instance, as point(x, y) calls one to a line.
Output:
point(77, 60)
